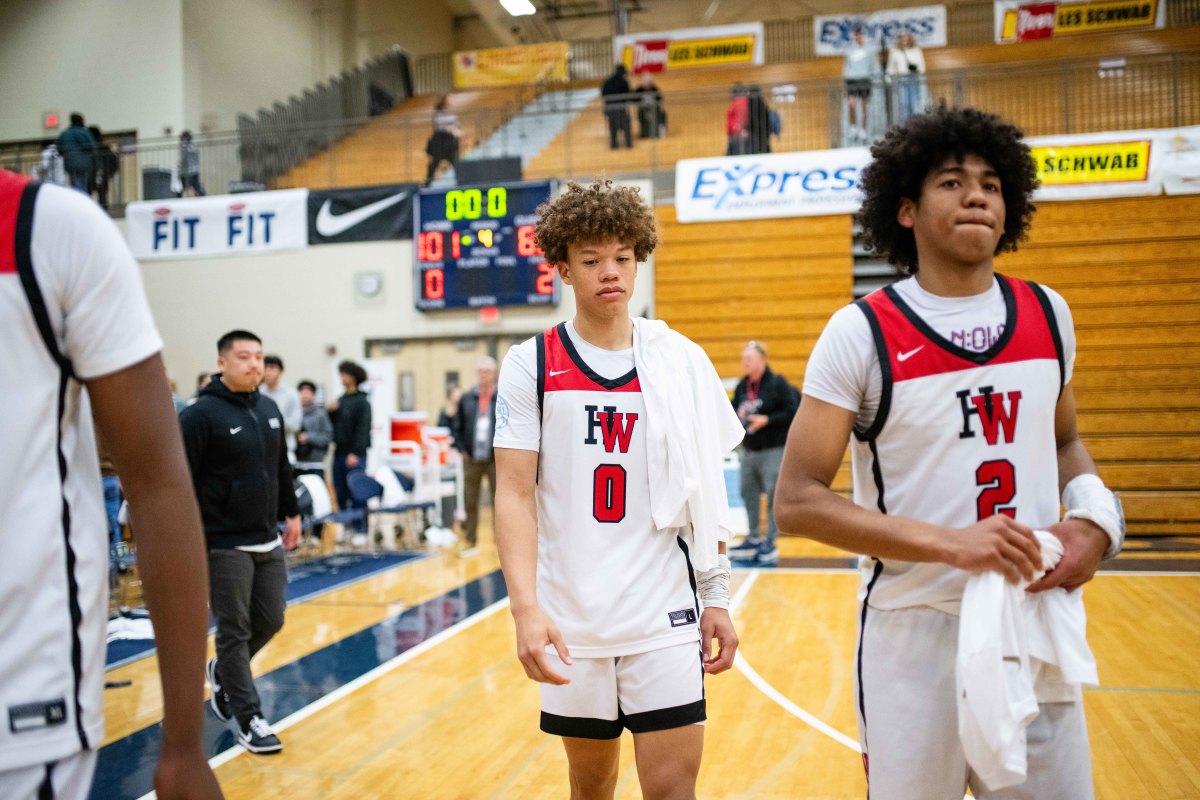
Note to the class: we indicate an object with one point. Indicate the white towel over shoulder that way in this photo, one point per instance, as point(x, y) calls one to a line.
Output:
point(690, 426)
point(1015, 650)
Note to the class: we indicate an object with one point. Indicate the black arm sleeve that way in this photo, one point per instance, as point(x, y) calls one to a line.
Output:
point(194, 426)
point(362, 429)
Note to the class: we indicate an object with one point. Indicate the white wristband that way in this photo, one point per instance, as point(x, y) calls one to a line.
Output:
point(713, 585)
point(1086, 497)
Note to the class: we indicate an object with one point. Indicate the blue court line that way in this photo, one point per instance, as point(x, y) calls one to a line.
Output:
point(125, 768)
point(302, 585)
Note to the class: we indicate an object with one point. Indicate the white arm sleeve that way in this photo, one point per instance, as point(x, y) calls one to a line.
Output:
point(518, 415)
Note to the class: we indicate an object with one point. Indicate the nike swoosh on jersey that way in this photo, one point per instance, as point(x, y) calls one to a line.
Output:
point(330, 224)
point(560, 372)
point(234, 431)
point(909, 354)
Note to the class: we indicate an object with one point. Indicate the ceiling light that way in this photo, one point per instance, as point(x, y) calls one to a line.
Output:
point(518, 8)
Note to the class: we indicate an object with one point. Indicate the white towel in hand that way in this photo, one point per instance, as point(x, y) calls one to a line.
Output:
point(690, 426)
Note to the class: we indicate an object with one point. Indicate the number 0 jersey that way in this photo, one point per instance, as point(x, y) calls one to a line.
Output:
point(959, 435)
point(611, 582)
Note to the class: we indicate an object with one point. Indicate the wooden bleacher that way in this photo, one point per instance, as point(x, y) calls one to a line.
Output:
point(391, 147)
point(777, 280)
point(1129, 268)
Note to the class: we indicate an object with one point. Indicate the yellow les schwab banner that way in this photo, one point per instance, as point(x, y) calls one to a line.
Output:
point(1109, 162)
point(505, 66)
point(699, 52)
point(1109, 15)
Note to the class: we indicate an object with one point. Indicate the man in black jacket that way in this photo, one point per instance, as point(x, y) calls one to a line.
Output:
point(351, 416)
point(235, 447)
point(617, 96)
point(766, 403)
point(473, 428)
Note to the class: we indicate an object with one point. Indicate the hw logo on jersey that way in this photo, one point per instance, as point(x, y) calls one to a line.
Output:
point(997, 413)
point(615, 428)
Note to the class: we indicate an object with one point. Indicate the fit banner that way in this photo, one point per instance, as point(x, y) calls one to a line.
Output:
point(834, 34)
point(233, 224)
point(362, 214)
point(1018, 21)
point(690, 47)
point(507, 66)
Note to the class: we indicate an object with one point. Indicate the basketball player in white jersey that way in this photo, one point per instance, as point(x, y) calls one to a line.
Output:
point(605, 603)
point(955, 384)
point(79, 342)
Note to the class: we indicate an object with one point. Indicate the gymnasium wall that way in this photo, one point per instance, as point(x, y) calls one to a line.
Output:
point(123, 70)
point(303, 301)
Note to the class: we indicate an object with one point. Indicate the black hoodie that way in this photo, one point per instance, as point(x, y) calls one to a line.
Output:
point(236, 451)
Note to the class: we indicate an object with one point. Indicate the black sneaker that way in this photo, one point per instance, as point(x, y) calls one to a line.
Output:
point(259, 738)
point(219, 701)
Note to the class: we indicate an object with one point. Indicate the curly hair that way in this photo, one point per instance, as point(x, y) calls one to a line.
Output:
point(908, 152)
point(595, 214)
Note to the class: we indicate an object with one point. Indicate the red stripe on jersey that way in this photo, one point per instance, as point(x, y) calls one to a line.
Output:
point(11, 187)
point(913, 354)
point(564, 375)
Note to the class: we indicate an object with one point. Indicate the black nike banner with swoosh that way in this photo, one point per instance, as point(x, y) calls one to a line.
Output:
point(361, 214)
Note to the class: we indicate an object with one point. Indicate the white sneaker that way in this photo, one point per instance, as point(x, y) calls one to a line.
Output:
point(259, 738)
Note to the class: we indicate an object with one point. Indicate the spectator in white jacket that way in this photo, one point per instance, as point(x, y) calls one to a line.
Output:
point(906, 70)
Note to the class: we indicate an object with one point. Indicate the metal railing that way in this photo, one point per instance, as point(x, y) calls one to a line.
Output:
point(278, 138)
point(1075, 96)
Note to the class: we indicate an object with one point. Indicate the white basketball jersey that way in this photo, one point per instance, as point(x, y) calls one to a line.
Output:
point(959, 435)
point(612, 583)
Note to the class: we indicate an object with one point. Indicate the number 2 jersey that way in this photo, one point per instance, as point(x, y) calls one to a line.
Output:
point(957, 433)
point(611, 582)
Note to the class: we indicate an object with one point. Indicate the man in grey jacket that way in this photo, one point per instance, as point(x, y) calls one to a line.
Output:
point(315, 435)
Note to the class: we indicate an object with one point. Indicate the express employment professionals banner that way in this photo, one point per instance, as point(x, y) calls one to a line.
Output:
point(362, 214)
point(506, 66)
point(233, 224)
point(773, 185)
point(834, 33)
point(690, 47)
point(1022, 21)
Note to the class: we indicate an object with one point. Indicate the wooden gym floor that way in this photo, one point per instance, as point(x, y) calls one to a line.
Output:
point(405, 685)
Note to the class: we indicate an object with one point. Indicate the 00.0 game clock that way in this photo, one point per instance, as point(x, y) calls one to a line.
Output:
point(475, 247)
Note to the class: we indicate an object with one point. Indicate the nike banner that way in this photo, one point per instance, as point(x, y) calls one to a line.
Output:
point(364, 214)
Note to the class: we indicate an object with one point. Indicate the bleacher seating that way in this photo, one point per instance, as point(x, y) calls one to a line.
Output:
point(391, 147)
point(1130, 269)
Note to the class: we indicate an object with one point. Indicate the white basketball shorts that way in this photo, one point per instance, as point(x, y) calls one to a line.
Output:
point(908, 718)
point(68, 778)
point(645, 692)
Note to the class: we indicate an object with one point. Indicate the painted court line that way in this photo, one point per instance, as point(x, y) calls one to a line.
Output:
point(344, 690)
point(770, 691)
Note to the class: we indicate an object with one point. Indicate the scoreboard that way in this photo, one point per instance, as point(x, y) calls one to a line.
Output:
point(475, 247)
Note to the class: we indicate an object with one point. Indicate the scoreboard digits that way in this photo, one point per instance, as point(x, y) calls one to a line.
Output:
point(476, 247)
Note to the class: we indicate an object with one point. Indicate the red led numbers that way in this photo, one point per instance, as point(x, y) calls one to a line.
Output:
point(435, 284)
point(526, 243)
point(544, 283)
point(431, 246)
